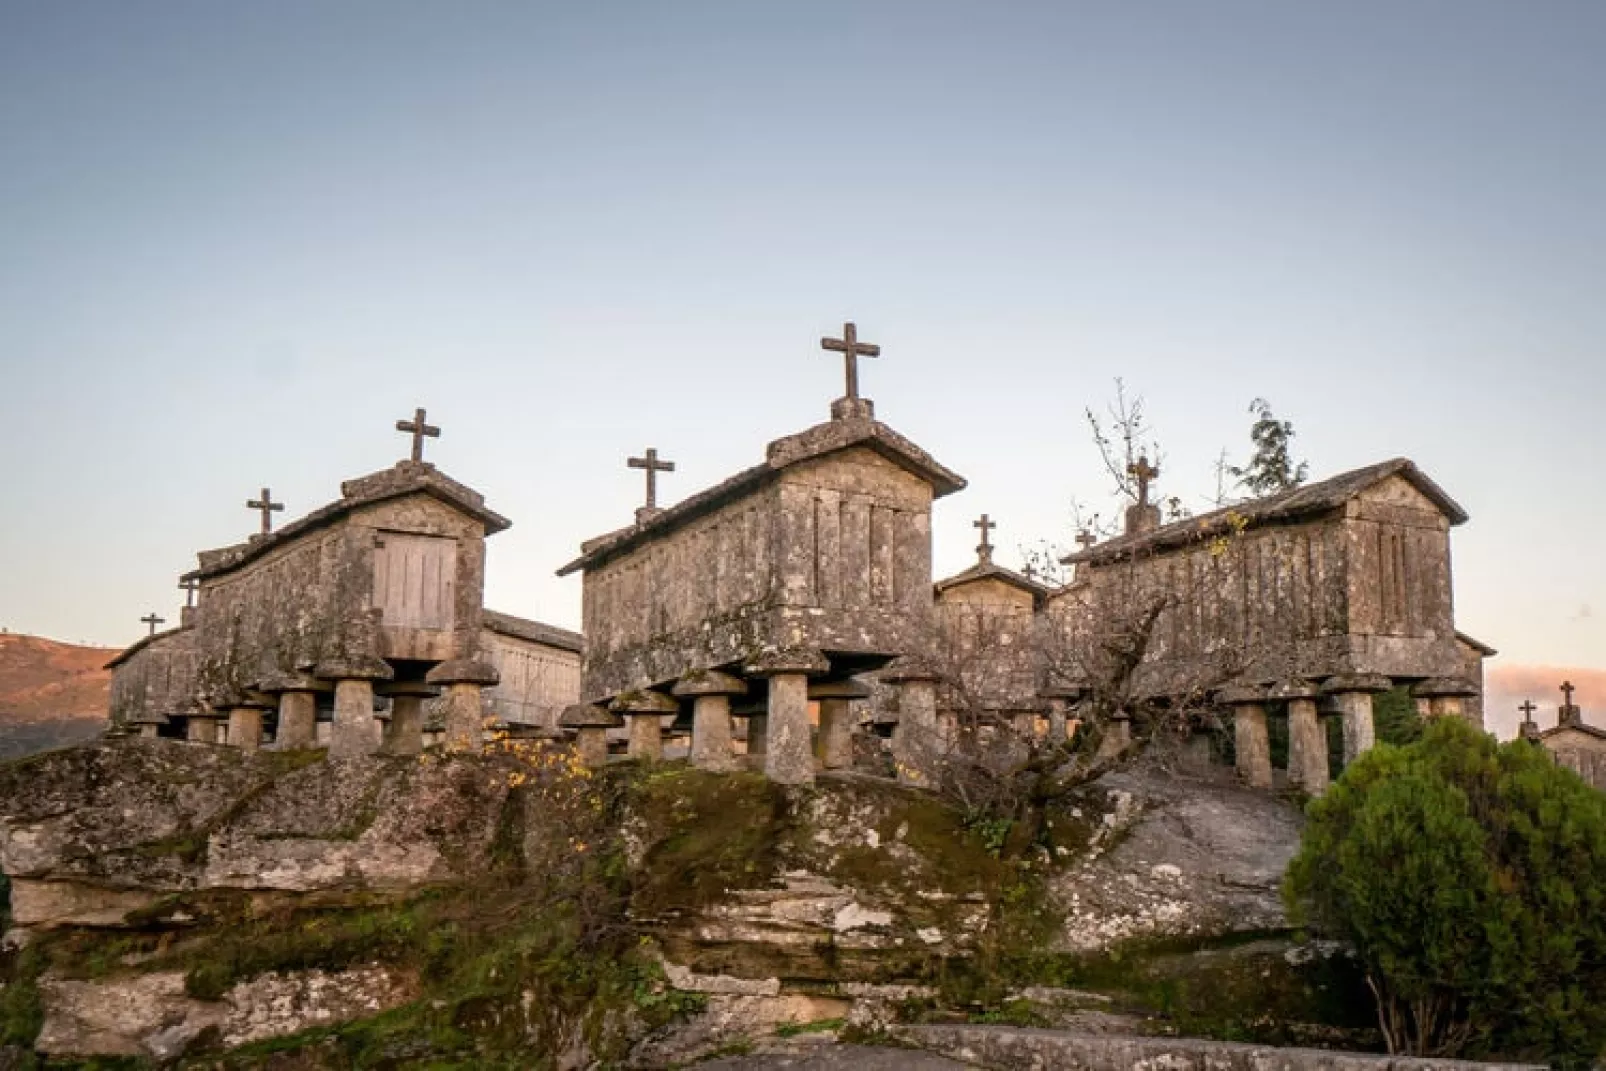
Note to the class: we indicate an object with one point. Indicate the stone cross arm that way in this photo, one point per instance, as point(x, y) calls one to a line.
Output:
point(267, 507)
point(419, 429)
point(851, 349)
point(653, 466)
point(985, 549)
point(152, 620)
point(1144, 473)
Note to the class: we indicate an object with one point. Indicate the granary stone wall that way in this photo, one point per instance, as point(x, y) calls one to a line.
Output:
point(987, 647)
point(1581, 749)
point(538, 667)
point(833, 553)
point(153, 681)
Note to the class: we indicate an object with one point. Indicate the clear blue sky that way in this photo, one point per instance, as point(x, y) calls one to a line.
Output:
point(238, 240)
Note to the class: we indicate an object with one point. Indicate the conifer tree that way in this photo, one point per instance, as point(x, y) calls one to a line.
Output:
point(1271, 469)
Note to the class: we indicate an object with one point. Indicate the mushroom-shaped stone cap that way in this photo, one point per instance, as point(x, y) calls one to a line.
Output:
point(253, 700)
point(788, 660)
point(274, 681)
point(644, 701)
point(407, 689)
point(588, 716)
point(146, 717)
point(1240, 694)
point(909, 668)
point(843, 689)
point(355, 668)
point(463, 671)
point(1442, 688)
point(1294, 689)
point(1356, 682)
point(709, 682)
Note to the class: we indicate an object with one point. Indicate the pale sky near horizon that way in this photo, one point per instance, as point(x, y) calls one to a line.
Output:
point(238, 241)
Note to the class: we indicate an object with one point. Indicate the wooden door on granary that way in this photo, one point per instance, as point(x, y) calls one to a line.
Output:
point(415, 580)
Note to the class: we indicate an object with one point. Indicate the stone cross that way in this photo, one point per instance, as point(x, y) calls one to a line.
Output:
point(1527, 709)
point(1143, 473)
point(188, 586)
point(267, 507)
point(1086, 539)
point(851, 349)
point(653, 467)
point(152, 620)
point(1567, 690)
point(419, 430)
point(984, 550)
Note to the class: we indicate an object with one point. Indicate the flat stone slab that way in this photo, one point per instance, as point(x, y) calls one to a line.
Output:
point(839, 1058)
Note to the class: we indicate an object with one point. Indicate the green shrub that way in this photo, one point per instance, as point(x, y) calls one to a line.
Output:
point(1470, 878)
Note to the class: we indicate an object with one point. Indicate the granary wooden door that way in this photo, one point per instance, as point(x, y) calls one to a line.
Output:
point(415, 580)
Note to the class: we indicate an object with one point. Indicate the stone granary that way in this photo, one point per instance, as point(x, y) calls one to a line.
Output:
point(372, 603)
point(1572, 742)
point(769, 590)
point(986, 642)
point(1312, 600)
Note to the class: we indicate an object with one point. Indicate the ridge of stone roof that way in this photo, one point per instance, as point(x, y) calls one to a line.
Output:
point(403, 478)
point(1580, 726)
point(1318, 497)
point(535, 631)
point(992, 571)
point(822, 439)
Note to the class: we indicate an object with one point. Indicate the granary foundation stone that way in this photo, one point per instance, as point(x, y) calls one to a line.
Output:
point(355, 730)
point(1352, 697)
point(710, 692)
point(1307, 741)
point(836, 721)
point(245, 727)
point(464, 680)
point(1251, 739)
point(298, 720)
point(590, 722)
point(645, 710)
point(918, 741)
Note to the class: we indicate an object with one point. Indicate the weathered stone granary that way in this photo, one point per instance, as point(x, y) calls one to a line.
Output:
point(986, 641)
point(1572, 742)
point(370, 605)
point(780, 583)
point(1316, 598)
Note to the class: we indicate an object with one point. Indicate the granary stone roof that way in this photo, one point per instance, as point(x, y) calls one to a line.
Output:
point(534, 631)
point(403, 478)
point(989, 571)
point(1280, 508)
point(822, 439)
point(144, 642)
point(1477, 645)
point(1574, 726)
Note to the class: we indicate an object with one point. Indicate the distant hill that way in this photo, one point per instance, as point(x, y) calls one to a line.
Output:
point(51, 694)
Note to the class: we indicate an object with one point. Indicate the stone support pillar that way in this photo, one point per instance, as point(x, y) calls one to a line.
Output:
point(150, 730)
point(919, 745)
point(1352, 695)
point(245, 727)
point(355, 731)
point(645, 710)
point(1307, 740)
point(201, 729)
point(590, 722)
point(404, 733)
point(1443, 697)
point(463, 680)
point(1251, 740)
point(835, 743)
point(788, 744)
point(788, 754)
point(298, 721)
point(758, 733)
point(711, 739)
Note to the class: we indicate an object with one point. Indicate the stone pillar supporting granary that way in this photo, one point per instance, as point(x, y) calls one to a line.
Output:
point(1351, 695)
point(1251, 740)
point(355, 730)
point(464, 679)
point(920, 740)
point(645, 711)
point(711, 740)
point(590, 723)
point(404, 733)
point(820, 554)
point(245, 721)
point(836, 699)
point(1444, 697)
point(1307, 739)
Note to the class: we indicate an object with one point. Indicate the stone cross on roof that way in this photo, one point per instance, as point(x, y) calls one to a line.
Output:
point(1086, 539)
point(1527, 707)
point(851, 349)
point(984, 549)
point(1567, 690)
point(1143, 473)
point(419, 430)
point(188, 586)
point(152, 620)
point(653, 467)
point(267, 507)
